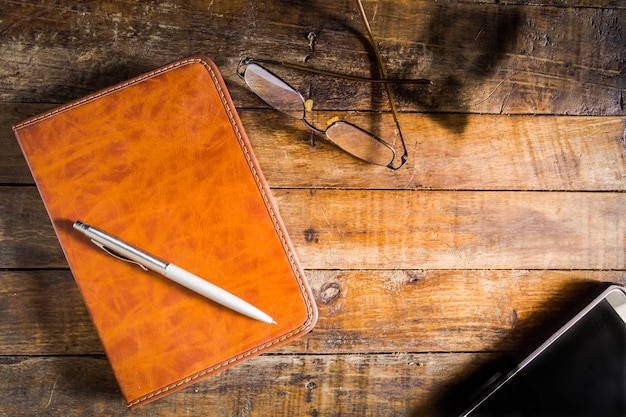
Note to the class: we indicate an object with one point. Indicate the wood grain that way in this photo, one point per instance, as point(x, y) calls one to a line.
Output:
point(452, 152)
point(450, 230)
point(27, 239)
point(482, 58)
point(371, 229)
point(364, 311)
point(509, 210)
point(328, 385)
point(459, 152)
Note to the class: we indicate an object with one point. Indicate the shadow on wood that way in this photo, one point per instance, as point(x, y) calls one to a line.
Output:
point(456, 396)
point(451, 31)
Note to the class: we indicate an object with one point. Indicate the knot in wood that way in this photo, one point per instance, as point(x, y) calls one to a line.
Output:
point(329, 292)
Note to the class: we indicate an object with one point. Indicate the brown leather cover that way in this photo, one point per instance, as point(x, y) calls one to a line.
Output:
point(163, 162)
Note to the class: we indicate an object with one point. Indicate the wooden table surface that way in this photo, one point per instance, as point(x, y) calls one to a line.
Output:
point(510, 207)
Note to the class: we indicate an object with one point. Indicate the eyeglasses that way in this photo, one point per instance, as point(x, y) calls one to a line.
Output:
point(356, 141)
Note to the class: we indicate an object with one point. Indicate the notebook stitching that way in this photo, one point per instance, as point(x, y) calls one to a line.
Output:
point(105, 92)
point(266, 200)
point(268, 205)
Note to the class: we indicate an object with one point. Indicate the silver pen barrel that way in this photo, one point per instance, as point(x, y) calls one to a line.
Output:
point(129, 253)
point(122, 248)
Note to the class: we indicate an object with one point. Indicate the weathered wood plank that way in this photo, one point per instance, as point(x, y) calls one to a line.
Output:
point(455, 230)
point(43, 314)
point(442, 310)
point(397, 273)
point(459, 152)
point(360, 311)
point(13, 168)
point(453, 152)
point(27, 239)
point(276, 385)
point(483, 58)
point(507, 59)
point(372, 229)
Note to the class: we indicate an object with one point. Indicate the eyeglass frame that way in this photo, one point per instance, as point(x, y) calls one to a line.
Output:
point(386, 81)
point(256, 61)
point(247, 64)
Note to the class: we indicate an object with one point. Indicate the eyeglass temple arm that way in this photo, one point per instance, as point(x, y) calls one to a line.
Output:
point(383, 74)
point(241, 71)
point(298, 67)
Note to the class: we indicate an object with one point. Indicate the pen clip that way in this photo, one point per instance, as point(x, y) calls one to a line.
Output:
point(117, 255)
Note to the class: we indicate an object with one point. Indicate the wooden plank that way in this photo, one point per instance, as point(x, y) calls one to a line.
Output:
point(506, 59)
point(483, 58)
point(459, 152)
point(43, 313)
point(27, 239)
point(276, 385)
point(420, 275)
point(13, 167)
point(443, 310)
point(360, 311)
point(455, 230)
point(373, 229)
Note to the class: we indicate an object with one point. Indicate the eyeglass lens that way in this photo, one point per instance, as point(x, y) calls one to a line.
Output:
point(347, 136)
point(274, 91)
point(360, 143)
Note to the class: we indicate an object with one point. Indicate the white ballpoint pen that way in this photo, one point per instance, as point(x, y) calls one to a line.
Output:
point(127, 252)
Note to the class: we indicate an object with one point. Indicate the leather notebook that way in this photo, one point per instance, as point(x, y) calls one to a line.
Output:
point(162, 162)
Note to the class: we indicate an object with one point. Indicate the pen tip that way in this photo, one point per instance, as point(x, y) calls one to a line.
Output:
point(273, 322)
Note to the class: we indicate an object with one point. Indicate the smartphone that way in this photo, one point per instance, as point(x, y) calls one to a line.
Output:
point(579, 371)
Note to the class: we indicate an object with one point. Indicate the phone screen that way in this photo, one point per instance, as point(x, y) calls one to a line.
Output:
point(582, 372)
